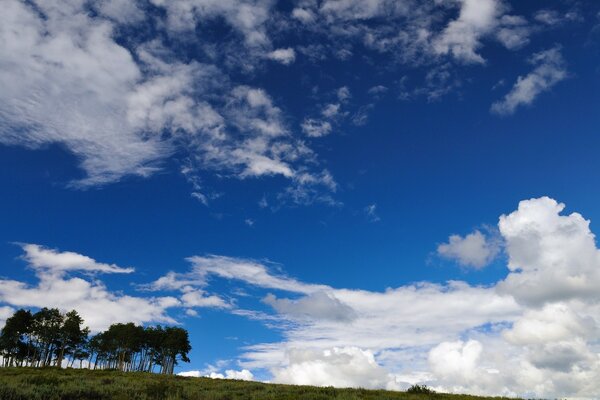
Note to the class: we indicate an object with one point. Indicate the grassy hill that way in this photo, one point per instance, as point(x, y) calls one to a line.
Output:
point(72, 384)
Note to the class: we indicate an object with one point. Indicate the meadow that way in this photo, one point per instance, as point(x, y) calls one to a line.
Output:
point(80, 384)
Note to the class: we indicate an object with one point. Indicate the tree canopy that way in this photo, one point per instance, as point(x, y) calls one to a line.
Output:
point(51, 338)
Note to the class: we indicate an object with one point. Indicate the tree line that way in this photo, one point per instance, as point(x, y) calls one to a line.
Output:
point(51, 338)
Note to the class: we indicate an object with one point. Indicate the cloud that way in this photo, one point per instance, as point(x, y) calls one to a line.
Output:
point(316, 128)
point(371, 212)
point(244, 374)
point(124, 107)
point(123, 11)
point(461, 38)
point(318, 305)
point(247, 17)
point(52, 261)
point(552, 257)
point(66, 81)
point(331, 114)
point(532, 334)
point(339, 367)
point(513, 31)
point(198, 298)
point(284, 56)
point(249, 271)
point(93, 300)
point(451, 360)
point(553, 18)
point(5, 313)
point(475, 250)
point(549, 69)
point(378, 90)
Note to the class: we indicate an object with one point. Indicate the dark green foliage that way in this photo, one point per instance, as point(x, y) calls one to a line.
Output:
point(50, 338)
point(78, 384)
point(420, 389)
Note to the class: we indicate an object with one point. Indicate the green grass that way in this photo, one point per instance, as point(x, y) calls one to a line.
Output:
point(72, 384)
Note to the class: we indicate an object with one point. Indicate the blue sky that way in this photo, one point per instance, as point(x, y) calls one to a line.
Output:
point(302, 184)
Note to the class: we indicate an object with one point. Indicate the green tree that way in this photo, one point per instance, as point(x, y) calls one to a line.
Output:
point(14, 342)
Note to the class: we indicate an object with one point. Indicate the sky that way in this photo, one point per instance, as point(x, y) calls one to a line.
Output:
point(351, 193)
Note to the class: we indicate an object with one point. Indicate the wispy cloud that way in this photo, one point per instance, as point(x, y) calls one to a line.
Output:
point(549, 69)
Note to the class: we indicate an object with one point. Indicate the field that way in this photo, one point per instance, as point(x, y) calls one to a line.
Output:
point(72, 384)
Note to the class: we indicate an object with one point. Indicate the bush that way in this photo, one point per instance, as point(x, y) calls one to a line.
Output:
point(420, 389)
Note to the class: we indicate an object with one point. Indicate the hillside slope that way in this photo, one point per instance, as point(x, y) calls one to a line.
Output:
point(74, 384)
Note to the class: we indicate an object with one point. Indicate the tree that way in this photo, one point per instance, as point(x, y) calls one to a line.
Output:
point(72, 337)
point(47, 325)
point(14, 345)
point(50, 337)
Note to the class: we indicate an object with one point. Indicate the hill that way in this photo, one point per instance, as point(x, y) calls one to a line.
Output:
point(75, 384)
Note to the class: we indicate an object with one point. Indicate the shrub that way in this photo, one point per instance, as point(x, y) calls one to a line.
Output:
point(420, 389)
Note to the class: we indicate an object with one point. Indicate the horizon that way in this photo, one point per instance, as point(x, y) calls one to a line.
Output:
point(341, 193)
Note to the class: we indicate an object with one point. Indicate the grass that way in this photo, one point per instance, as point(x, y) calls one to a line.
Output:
point(74, 384)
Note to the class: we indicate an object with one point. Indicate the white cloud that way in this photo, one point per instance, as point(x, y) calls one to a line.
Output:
point(339, 367)
point(461, 38)
point(244, 374)
point(549, 70)
point(123, 11)
point(318, 305)
point(343, 94)
point(371, 212)
point(552, 257)
point(93, 300)
point(378, 90)
point(330, 110)
point(198, 298)
point(330, 115)
point(533, 334)
point(513, 31)
point(474, 250)
point(65, 80)
point(248, 17)
point(5, 313)
point(122, 111)
point(316, 128)
point(248, 271)
point(552, 17)
point(52, 261)
point(455, 360)
point(304, 15)
point(284, 56)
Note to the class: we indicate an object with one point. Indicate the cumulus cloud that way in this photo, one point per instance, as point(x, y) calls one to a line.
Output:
point(474, 250)
point(552, 257)
point(549, 69)
point(339, 367)
point(455, 360)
